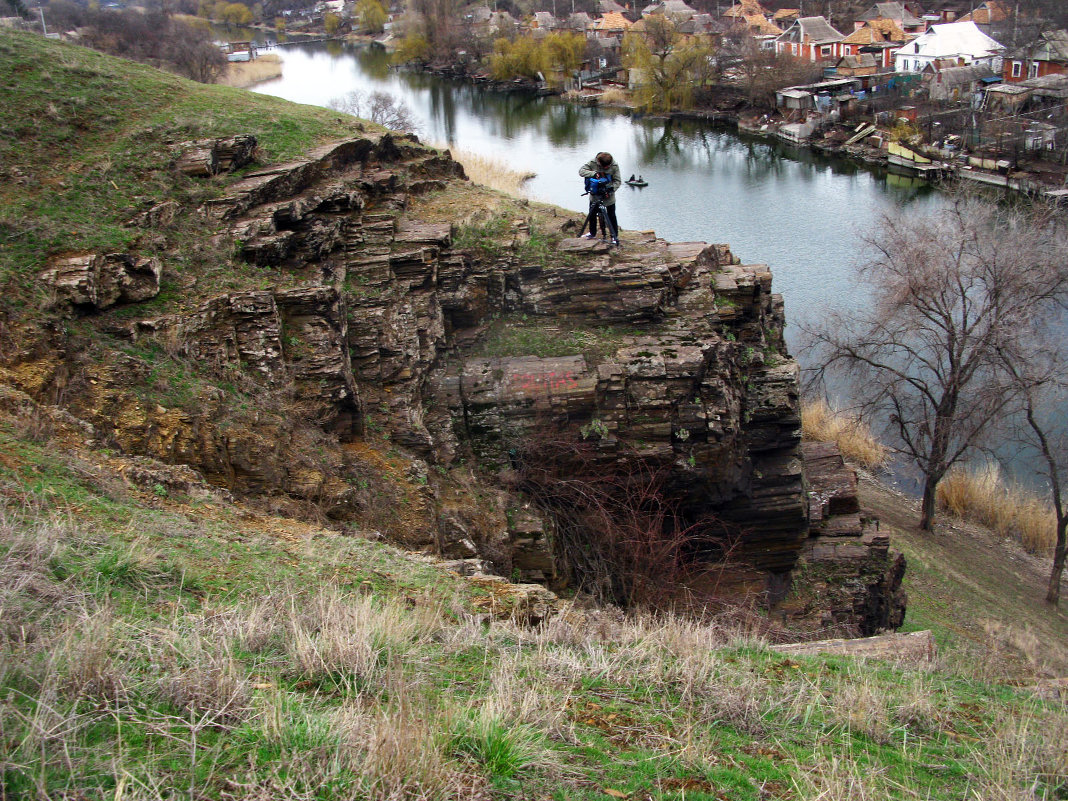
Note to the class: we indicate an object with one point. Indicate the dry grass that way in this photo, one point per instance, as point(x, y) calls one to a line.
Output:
point(493, 173)
point(821, 423)
point(982, 496)
point(614, 96)
point(244, 74)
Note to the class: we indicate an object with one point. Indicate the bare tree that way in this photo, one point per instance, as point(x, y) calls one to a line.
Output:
point(953, 296)
point(1044, 394)
point(378, 107)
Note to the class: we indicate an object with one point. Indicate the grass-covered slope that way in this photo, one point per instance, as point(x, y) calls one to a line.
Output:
point(86, 141)
point(162, 642)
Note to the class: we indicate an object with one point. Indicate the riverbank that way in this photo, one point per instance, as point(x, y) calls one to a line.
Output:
point(245, 74)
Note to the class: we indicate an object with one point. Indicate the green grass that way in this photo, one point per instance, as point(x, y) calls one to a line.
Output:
point(524, 335)
point(77, 164)
point(180, 648)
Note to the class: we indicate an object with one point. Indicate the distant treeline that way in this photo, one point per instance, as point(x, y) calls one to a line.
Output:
point(150, 36)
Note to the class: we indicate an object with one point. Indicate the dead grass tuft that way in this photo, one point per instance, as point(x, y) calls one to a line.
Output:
point(352, 638)
point(90, 669)
point(492, 172)
point(201, 678)
point(821, 423)
point(982, 496)
point(613, 97)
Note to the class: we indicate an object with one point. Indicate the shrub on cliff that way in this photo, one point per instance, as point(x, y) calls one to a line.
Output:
point(619, 529)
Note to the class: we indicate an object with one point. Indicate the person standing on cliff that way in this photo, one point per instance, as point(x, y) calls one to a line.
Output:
point(603, 166)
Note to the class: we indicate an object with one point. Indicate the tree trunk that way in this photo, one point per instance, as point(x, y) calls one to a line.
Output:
point(927, 505)
point(1053, 595)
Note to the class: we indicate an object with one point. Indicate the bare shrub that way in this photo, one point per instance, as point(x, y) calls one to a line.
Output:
point(619, 529)
point(378, 107)
point(821, 423)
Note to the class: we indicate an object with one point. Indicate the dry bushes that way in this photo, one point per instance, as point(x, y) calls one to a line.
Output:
point(619, 527)
point(821, 423)
point(982, 496)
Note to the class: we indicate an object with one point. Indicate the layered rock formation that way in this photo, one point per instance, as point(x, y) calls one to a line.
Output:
point(379, 330)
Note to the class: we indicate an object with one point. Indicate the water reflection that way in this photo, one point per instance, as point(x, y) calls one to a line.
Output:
point(798, 211)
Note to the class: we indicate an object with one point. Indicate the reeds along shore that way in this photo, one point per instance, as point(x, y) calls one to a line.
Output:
point(243, 74)
point(979, 495)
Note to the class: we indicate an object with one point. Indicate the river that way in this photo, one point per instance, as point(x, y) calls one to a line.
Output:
point(802, 214)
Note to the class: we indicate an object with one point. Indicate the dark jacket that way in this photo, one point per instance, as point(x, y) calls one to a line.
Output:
point(591, 168)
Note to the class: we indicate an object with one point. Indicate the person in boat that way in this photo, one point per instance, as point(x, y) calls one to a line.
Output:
point(631, 179)
point(603, 166)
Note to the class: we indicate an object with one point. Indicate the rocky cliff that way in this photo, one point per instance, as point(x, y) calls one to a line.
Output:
point(384, 355)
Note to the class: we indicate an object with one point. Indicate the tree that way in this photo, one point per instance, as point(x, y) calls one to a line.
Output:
point(378, 107)
point(953, 296)
point(1044, 394)
point(764, 71)
point(331, 22)
point(437, 22)
point(372, 15)
point(669, 64)
point(19, 7)
point(234, 13)
point(191, 52)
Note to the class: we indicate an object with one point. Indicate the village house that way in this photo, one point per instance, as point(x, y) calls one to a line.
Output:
point(743, 10)
point(698, 25)
point(903, 19)
point(810, 39)
point(987, 15)
point(785, 17)
point(1047, 55)
point(580, 22)
point(545, 21)
point(880, 38)
point(961, 42)
point(612, 25)
point(957, 84)
point(677, 10)
point(1047, 92)
point(763, 30)
point(856, 66)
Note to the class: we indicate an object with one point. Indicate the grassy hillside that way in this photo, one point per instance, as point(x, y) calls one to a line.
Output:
point(160, 643)
point(158, 640)
point(86, 141)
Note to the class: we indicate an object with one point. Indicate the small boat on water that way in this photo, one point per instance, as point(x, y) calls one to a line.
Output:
point(637, 182)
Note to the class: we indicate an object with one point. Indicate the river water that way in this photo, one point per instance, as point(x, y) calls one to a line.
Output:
point(802, 214)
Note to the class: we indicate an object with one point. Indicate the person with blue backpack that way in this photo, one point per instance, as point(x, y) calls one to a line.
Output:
point(603, 178)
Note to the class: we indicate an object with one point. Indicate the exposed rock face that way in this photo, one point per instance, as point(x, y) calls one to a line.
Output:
point(95, 282)
point(377, 332)
point(212, 156)
point(850, 578)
